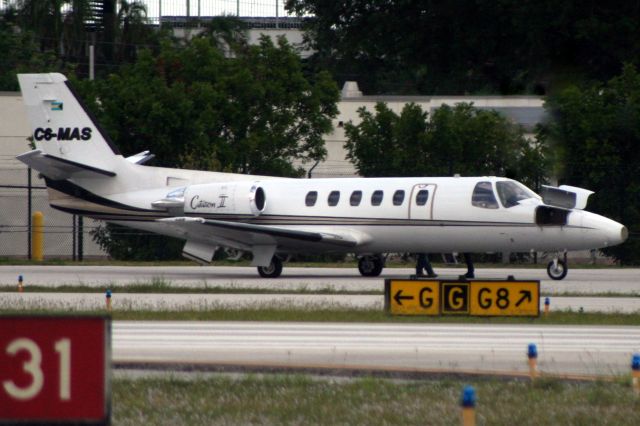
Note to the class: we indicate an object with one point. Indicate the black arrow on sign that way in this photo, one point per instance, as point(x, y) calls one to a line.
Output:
point(526, 295)
point(399, 297)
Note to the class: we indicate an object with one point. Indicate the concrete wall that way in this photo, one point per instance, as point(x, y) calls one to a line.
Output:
point(14, 213)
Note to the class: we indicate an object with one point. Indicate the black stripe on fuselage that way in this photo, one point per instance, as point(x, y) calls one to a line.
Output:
point(77, 191)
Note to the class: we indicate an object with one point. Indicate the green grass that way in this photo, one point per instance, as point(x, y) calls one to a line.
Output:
point(331, 314)
point(162, 286)
point(296, 399)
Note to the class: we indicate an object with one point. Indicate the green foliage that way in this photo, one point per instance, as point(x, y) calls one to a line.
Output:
point(457, 47)
point(20, 53)
point(596, 132)
point(460, 139)
point(62, 30)
point(254, 113)
point(126, 244)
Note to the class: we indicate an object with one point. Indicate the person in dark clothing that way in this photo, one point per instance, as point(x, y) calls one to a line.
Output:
point(424, 264)
point(470, 269)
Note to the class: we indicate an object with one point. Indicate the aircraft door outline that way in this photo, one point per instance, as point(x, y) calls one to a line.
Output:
point(422, 212)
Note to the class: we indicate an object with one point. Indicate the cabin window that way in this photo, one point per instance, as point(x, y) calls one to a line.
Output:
point(511, 193)
point(312, 197)
point(483, 196)
point(376, 197)
point(398, 197)
point(333, 199)
point(421, 197)
point(356, 197)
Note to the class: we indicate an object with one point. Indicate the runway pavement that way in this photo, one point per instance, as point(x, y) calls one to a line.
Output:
point(470, 348)
point(587, 281)
point(388, 347)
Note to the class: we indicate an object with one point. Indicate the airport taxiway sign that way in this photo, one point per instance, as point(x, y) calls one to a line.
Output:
point(509, 298)
point(412, 297)
point(475, 298)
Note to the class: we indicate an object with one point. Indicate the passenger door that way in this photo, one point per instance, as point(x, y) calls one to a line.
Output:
point(421, 201)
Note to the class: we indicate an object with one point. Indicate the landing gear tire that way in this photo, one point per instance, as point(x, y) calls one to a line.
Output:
point(557, 270)
point(370, 266)
point(273, 270)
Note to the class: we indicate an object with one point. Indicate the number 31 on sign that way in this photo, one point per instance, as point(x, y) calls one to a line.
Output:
point(54, 369)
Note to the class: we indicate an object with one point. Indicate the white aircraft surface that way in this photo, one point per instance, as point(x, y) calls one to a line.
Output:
point(273, 217)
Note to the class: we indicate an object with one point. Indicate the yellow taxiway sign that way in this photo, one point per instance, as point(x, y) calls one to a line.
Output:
point(476, 298)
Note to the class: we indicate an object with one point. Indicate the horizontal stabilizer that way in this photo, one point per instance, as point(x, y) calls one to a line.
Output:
point(140, 158)
point(59, 169)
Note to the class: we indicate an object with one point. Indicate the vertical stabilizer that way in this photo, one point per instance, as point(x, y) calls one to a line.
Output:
point(62, 127)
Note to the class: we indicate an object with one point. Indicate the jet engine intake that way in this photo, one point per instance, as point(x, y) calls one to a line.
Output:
point(226, 198)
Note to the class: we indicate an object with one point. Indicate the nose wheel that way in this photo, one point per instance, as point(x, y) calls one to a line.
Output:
point(557, 269)
point(370, 265)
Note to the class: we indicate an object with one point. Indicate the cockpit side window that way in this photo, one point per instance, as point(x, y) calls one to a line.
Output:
point(483, 196)
point(511, 193)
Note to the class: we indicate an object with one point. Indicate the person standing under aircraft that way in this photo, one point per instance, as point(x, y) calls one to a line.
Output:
point(424, 264)
point(470, 269)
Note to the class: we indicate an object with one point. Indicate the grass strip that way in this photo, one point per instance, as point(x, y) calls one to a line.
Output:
point(161, 286)
point(299, 399)
point(314, 314)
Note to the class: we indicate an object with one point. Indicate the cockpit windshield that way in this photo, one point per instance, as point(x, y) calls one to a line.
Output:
point(511, 193)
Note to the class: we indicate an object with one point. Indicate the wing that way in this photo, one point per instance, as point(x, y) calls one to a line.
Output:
point(265, 239)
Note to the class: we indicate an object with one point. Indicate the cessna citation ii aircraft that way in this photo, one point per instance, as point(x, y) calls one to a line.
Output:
point(273, 217)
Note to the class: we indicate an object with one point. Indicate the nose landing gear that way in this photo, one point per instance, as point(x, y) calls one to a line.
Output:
point(557, 269)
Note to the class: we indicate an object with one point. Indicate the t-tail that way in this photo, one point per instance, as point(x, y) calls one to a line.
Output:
point(69, 141)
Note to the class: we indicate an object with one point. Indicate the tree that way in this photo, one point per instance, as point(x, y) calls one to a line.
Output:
point(460, 139)
point(20, 53)
point(596, 132)
point(458, 47)
point(254, 113)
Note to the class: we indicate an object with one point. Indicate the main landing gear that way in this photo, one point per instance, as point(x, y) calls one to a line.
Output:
point(273, 270)
point(370, 265)
point(557, 269)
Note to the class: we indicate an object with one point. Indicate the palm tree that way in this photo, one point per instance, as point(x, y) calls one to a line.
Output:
point(44, 18)
point(227, 33)
point(132, 29)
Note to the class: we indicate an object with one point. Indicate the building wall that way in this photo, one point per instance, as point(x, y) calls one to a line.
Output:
point(14, 203)
point(524, 110)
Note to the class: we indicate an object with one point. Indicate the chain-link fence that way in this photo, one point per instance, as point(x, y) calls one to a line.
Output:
point(65, 235)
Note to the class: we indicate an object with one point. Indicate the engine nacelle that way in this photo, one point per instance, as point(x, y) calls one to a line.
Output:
point(236, 198)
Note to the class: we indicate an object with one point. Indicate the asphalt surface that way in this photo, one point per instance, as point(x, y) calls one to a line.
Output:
point(464, 348)
point(584, 281)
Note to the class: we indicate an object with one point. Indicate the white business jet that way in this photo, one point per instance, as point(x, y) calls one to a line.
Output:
point(273, 217)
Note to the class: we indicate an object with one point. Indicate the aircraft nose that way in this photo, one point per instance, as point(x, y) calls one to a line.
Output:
point(624, 234)
point(604, 231)
point(614, 232)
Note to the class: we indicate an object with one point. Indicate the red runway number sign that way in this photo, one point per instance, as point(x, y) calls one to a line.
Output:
point(54, 369)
